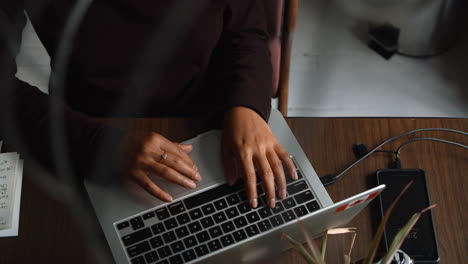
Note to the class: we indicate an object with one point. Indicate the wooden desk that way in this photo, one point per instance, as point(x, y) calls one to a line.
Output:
point(50, 233)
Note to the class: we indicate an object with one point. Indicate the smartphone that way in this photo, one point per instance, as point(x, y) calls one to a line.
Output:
point(421, 242)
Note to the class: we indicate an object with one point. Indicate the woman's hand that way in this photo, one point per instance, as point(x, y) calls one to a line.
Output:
point(248, 144)
point(144, 153)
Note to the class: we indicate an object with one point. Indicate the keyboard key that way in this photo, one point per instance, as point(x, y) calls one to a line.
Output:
point(288, 178)
point(203, 236)
point(164, 252)
point(190, 242)
point(252, 230)
point(138, 260)
point(176, 208)
point(177, 259)
point(138, 249)
point(278, 208)
point(240, 222)
point(227, 227)
point(183, 219)
point(151, 257)
point(148, 215)
point(264, 225)
point(194, 227)
point(214, 245)
point(296, 187)
point(201, 250)
point(215, 231)
point(313, 206)
point(123, 225)
point(219, 217)
point(136, 236)
point(189, 255)
point(289, 203)
point(182, 232)
point(243, 196)
point(207, 222)
point(304, 197)
point(177, 247)
point(227, 240)
point(300, 211)
point(163, 262)
point(244, 208)
point(252, 217)
point(162, 213)
point(169, 236)
point(170, 223)
point(208, 209)
point(276, 220)
point(137, 223)
point(156, 242)
point(239, 235)
point(158, 228)
point(265, 212)
point(233, 199)
point(196, 214)
point(232, 212)
point(220, 204)
point(288, 216)
point(209, 196)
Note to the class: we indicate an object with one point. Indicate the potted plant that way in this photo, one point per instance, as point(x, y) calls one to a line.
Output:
point(315, 254)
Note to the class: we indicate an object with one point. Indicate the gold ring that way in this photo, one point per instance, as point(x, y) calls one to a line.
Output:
point(163, 156)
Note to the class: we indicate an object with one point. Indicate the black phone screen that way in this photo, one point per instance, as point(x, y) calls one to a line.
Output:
point(420, 244)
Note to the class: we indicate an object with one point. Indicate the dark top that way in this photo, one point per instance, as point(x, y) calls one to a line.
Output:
point(129, 59)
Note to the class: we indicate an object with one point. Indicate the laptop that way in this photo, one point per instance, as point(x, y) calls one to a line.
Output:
point(214, 223)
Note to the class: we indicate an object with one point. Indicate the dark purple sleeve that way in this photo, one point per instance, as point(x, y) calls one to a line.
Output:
point(247, 75)
point(25, 120)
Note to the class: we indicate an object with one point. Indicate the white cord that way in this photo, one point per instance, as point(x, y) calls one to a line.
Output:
point(429, 139)
point(397, 137)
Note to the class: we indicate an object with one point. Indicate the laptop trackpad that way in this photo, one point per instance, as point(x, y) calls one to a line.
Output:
point(207, 156)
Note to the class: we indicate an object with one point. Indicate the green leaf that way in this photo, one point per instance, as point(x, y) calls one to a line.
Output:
point(378, 235)
point(300, 248)
point(324, 246)
point(313, 248)
point(401, 235)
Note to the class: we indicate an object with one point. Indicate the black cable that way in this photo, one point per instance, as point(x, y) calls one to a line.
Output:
point(328, 180)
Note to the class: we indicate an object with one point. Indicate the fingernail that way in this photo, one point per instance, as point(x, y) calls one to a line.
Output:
point(295, 177)
point(195, 167)
point(254, 203)
point(190, 184)
point(168, 198)
point(197, 176)
point(272, 203)
point(282, 193)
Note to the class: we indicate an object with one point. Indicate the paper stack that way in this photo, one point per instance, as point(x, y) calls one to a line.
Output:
point(11, 175)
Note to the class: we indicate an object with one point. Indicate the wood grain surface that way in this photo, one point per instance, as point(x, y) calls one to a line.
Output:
point(53, 229)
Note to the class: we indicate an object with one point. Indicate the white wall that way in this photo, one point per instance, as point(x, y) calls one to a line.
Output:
point(333, 73)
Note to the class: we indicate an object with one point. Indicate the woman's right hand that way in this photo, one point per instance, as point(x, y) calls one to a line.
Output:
point(145, 153)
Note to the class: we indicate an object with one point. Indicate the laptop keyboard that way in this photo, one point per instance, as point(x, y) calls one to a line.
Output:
point(207, 222)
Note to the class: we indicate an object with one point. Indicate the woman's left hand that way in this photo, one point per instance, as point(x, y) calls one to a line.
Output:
point(250, 146)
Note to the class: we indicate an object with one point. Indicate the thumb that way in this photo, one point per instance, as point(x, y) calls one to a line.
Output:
point(186, 147)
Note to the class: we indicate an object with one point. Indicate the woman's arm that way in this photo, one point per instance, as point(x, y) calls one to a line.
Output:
point(248, 143)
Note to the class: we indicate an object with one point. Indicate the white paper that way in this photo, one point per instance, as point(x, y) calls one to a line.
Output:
point(13, 230)
point(8, 173)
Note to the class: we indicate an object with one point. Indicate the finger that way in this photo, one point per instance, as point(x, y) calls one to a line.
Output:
point(250, 179)
point(169, 146)
point(146, 183)
point(267, 178)
point(185, 147)
point(171, 175)
point(175, 162)
point(278, 170)
point(288, 162)
point(229, 167)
